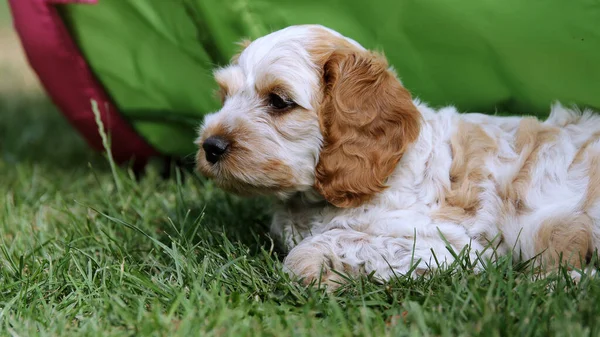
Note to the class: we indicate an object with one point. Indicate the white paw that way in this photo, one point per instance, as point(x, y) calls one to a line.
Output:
point(313, 263)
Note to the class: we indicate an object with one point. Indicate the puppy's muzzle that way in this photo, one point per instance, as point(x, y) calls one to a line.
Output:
point(214, 148)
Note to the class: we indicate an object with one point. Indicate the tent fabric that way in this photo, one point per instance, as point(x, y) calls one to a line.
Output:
point(66, 77)
point(155, 58)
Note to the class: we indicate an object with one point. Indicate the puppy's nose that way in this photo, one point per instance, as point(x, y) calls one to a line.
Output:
point(214, 147)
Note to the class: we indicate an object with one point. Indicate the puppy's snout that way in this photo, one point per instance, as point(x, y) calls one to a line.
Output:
point(214, 148)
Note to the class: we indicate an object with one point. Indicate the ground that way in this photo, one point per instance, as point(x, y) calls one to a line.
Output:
point(85, 252)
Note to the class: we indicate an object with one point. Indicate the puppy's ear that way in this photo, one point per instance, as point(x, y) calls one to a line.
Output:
point(243, 44)
point(367, 119)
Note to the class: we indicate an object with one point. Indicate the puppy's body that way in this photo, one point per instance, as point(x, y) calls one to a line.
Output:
point(373, 181)
point(494, 183)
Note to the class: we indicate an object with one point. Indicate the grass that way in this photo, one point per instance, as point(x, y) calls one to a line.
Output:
point(178, 257)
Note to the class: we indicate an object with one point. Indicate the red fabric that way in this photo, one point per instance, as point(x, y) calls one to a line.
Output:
point(68, 80)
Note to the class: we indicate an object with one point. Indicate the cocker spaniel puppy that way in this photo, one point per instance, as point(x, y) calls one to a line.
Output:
point(371, 181)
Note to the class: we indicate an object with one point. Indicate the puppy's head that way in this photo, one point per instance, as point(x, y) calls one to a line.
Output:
point(306, 108)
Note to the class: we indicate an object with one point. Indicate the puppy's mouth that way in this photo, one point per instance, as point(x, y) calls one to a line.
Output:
point(242, 177)
point(240, 187)
point(244, 189)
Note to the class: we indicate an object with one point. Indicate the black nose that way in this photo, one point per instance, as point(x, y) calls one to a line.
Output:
point(214, 147)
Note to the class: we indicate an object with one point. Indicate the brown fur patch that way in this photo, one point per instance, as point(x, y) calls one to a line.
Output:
point(367, 119)
point(325, 44)
point(278, 173)
point(471, 146)
point(213, 130)
point(566, 238)
point(593, 190)
point(268, 85)
point(530, 138)
point(593, 156)
point(580, 155)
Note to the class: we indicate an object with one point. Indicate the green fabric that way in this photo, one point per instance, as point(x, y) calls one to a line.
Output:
point(155, 57)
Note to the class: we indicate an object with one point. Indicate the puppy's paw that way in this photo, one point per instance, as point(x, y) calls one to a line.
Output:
point(577, 274)
point(313, 263)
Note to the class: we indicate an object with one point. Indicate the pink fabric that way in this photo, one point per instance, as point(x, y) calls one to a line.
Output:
point(68, 80)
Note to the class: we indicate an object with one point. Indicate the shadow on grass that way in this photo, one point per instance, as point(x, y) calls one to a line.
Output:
point(34, 133)
point(212, 216)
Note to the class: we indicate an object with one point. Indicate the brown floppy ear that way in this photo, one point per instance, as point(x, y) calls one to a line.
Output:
point(368, 119)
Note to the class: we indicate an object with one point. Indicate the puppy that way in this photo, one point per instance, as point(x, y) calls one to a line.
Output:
point(370, 181)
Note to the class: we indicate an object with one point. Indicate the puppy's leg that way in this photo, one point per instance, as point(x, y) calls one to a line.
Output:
point(324, 258)
point(315, 260)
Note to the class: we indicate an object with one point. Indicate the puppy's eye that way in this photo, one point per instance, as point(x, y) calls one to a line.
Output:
point(278, 103)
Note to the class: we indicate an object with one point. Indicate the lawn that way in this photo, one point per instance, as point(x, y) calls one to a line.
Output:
point(88, 252)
